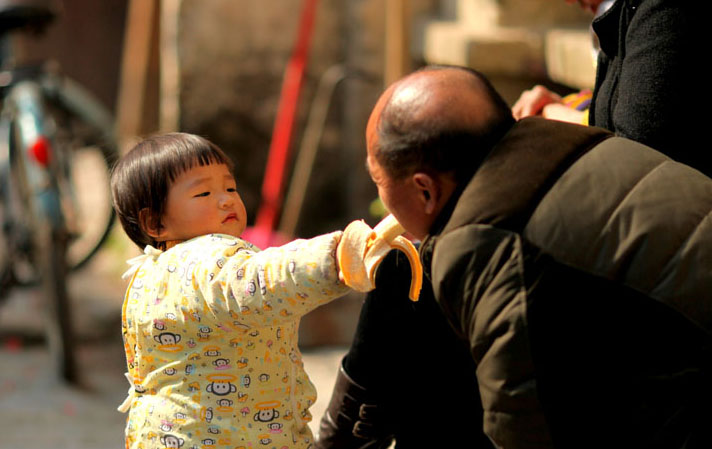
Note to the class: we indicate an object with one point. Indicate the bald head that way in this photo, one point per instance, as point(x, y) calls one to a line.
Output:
point(438, 119)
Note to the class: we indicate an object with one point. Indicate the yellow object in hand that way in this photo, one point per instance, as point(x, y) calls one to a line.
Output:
point(362, 249)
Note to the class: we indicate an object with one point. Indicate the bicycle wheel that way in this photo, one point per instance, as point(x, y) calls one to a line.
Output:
point(6, 274)
point(16, 215)
point(84, 139)
point(39, 239)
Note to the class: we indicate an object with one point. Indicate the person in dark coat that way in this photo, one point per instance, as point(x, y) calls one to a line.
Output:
point(576, 263)
point(650, 85)
point(406, 377)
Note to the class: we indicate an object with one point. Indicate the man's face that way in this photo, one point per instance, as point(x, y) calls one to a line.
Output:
point(400, 198)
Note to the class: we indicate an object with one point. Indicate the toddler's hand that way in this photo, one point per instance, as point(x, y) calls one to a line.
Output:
point(362, 249)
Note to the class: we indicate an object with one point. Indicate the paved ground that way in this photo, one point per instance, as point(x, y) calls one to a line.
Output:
point(38, 412)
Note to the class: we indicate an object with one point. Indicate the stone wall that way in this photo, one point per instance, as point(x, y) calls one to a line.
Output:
point(511, 41)
point(233, 54)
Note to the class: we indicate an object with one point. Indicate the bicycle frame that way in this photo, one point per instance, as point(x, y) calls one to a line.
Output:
point(26, 92)
point(31, 144)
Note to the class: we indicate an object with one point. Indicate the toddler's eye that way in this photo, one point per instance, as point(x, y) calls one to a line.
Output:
point(231, 189)
point(202, 194)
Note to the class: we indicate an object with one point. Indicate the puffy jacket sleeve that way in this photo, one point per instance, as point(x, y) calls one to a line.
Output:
point(478, 279)
point(263, 288)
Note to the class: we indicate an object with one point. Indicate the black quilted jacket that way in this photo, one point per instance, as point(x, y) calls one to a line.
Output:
point(652, 85)
point(579, 266)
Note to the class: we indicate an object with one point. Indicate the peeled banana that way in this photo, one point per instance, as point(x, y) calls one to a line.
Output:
point(362, 249)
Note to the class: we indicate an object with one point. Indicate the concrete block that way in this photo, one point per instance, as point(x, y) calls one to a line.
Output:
point(484, 14)
point(506, 37)
point(570, 59)
point(509, 52)
point(512, 52)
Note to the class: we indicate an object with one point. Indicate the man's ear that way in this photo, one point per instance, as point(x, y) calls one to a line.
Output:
point(150, 223)
point(429, 190)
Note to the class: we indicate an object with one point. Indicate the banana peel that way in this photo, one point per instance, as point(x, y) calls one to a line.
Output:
point(362, 249)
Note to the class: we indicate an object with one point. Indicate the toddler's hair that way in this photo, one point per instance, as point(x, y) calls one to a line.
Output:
point(141, 178)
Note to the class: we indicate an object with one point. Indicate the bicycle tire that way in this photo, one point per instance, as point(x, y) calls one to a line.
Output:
point(17, 217)
point(6, 245)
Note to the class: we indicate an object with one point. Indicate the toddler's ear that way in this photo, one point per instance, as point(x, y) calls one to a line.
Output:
point(150, 223)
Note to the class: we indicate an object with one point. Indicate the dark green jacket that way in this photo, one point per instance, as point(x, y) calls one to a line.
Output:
point(579, 266)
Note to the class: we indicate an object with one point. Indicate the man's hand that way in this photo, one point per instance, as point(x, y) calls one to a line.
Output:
point(533, 101)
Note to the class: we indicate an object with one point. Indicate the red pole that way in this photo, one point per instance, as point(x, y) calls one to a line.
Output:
point(272, 185)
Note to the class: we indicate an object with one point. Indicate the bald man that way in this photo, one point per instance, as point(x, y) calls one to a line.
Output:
point(576, 264)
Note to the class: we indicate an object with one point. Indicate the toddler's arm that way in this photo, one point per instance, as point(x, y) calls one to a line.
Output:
point(248, 288)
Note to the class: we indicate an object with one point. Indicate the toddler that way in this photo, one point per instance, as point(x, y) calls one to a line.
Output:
point(209, 322)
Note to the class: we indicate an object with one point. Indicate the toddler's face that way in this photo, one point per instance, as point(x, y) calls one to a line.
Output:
point(203, 200)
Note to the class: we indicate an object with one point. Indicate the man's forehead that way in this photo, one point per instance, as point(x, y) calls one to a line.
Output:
point(419, 95)
point(422, 94)
point(398, 94)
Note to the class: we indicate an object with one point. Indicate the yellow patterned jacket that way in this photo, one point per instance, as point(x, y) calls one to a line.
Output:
point(210, 332)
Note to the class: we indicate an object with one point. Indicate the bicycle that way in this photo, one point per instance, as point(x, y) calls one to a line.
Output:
point(50, 129)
